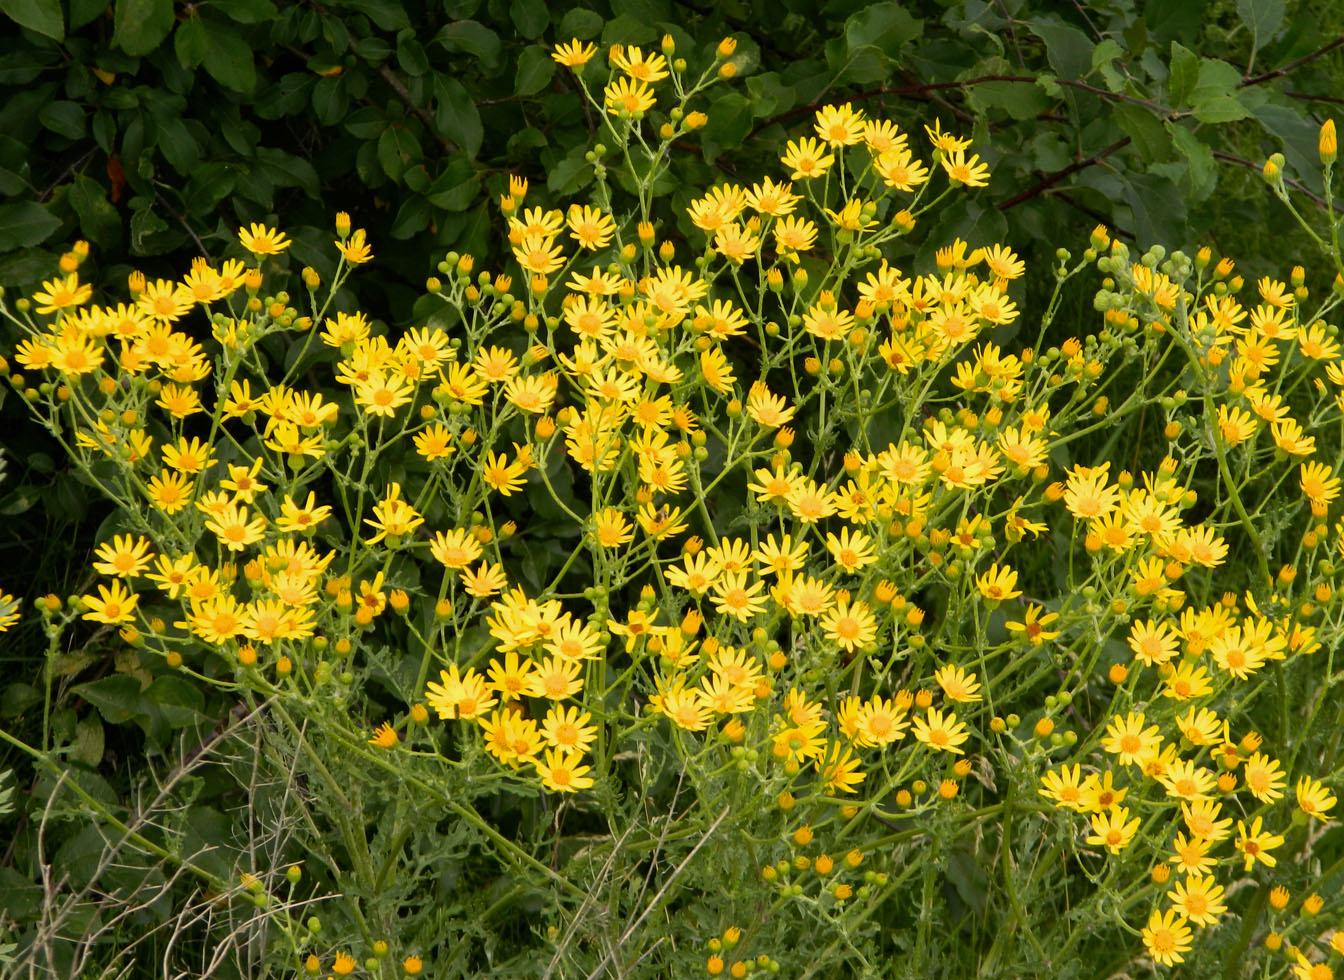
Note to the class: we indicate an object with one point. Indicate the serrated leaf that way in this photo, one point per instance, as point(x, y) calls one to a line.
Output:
point(1150, 140)
point(535, 70)
point(118, 698)
point(1216, 78)
point(1181, 75)
point(41, 16)
point(1068, 49)
point(1262, 18)
point(89, 742)
point(26, 223)
point(1106, 52)
point(1198, 157)
point(456, 115)
point(885, 26)
point(1222, 109)
point(139, 26)
point(1021, 101)
point(1159, 210)
point(228, 59)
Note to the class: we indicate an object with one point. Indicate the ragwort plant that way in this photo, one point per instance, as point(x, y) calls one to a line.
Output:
point(704, 592)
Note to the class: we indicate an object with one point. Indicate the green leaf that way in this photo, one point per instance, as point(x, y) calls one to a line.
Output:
point(25, 223)
point(579, 23)
point(1182, 75)
point(397, 149)
point(1159, 211)
point(89, 742)
point(530, 17)
point(330, 100)
point(730, 121)
point(118, 698)
point(1145, 131)
point(457, 187)
point(287, 170)
point(1021, 101)
point(456, 116)
point(42, 16)
point(569, 175)
point(83, 11)
point(191, 41)
point(1223, 108)
point(98, 220)
point(139, 26)
point(1198, 157)
point(366, 123)
point(411, 56)
point(1216, 79)
point(246, 11)
point(386, 14)
point(1106, 52)
point(1263, 18)
point(1068, 49)
point(769, 95)
point(885, 26)
point(471, 37)
point(229, 59)
point(1102, 57)
point(412, 218)
point(535, 69)
point(64, 118)
point(179, 702)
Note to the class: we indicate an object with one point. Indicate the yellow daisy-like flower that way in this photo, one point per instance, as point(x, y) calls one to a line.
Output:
point(58, 294)
point(968, 173)
point(1166, 937)
point(942, 732)
point(123, 556)
point(355, 249)
point(627, 96)
point(260, 240)
point(574, 54)
point(563, 772)
point(113, 605)
point(998, 583)
point(806, 158)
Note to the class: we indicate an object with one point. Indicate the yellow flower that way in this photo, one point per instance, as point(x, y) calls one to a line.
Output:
point(806, 158)
point(971, 173)
point(384, 736)
point(355, 249)
point(112, 605)
point(957, 684)
point(575, 54)
point(123, 556)
point(1255, 843)
point(1113, 829)
point(563, 772)
point(1314, 798)
point(627, 96)
point(998, 583)
point(642, 68)
point(941, 731)
point(57, 294)
point(260, 240)
point(1167, 936)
